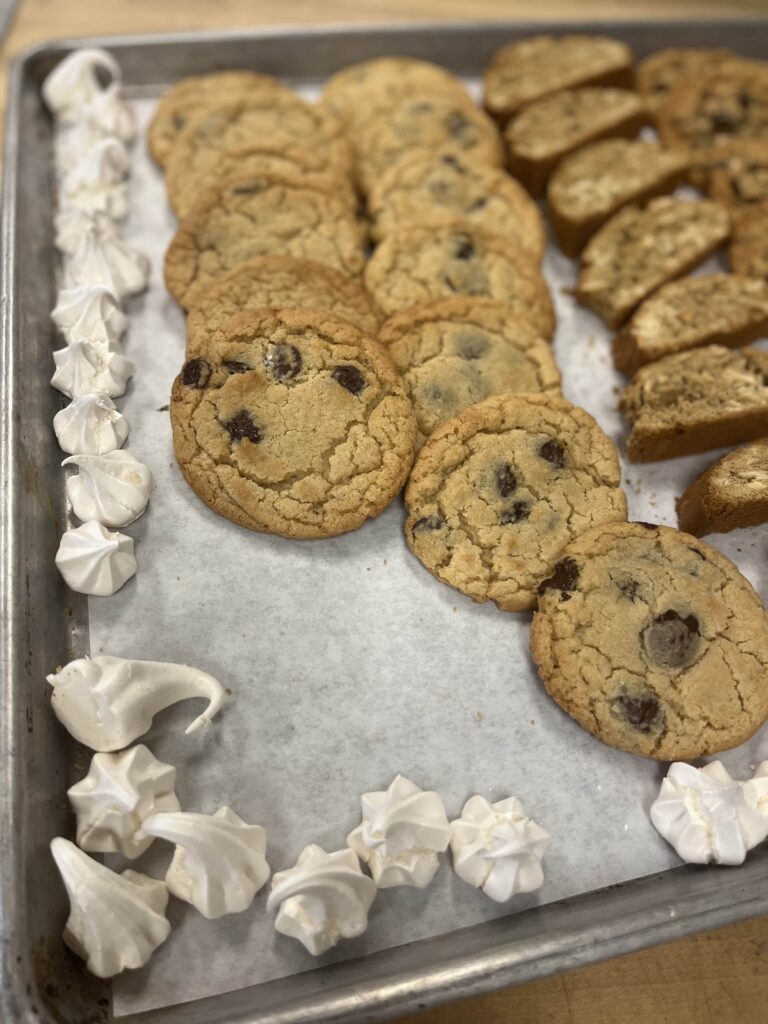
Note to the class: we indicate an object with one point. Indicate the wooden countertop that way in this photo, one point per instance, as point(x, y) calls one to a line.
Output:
point(718, 977)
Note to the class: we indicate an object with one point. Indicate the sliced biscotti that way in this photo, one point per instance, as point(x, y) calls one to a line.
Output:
point(590, 185)
point(748, 252)
point(658, 74)
point(642, 248)
point(731, 494)
point(522, 72)
point(715, 309)
point(737, 172)
point(695, 401)
point(548, 130)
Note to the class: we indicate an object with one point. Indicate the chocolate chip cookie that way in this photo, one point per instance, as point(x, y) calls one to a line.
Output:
point(279, 282)
point(260, 215)
point(453, 353)
point(497, 492)
point(654, 642)
point(293, 424)
point(416, 264)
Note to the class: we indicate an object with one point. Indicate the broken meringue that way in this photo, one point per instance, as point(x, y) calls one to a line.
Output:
point(113, 489)
point(90, 425)
point(77, 80)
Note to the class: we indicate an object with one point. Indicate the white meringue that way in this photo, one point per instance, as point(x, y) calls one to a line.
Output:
point(113, 489)
point(84, 367)
point(97, 183)
point(402, 831)
point(96, 255)
point(107, 113)
point(106, 702)
point(756, 790)
point(90, 425)
point(94, 561)
point(323, 898)
point(75, 82)
point(70, 226)
point(115, 921)
point(497, 849)
point(708, 817)
point(89, 313)
point(219, 864)
point(119, 792)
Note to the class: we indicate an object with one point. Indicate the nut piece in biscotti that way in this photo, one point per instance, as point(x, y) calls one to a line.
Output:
point(641, 248)
point(591, 185)
point(255, 216)
point(522, 72)
point(715, 309)
point(498, 491)
point(279, 282)
point(437, 187)
point(737, 172)
point(658, 74)
point(695, 401)
point(748, 251)
point(453, 353)
point(653, 642)
point(548, 130)
point(414, 265)
point(294, 423)
point(731, 494)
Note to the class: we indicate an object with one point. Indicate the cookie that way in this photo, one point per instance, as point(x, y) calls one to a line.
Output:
point(437, 187)
point(730, 495)
point(498, 491)
point(260, 215)
point(545, 132)
point(455, 352)
point(748, 251)
point(595, 182)
point(653, 642)
point(417, 264)
point(737, 172)
point(715, 309)
point(694, 401)
point(294, 424)
point(279, 282)
point(658, 74)
point(538, 66)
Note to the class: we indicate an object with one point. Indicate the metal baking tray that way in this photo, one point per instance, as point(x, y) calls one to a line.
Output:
point(43, 624)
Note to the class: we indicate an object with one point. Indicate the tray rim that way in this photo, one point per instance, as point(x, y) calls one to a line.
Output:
point(725, 896)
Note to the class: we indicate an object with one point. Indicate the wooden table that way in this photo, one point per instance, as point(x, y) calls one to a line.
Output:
point(718, 977)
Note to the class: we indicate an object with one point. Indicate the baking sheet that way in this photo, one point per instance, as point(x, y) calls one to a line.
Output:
point(350, 663)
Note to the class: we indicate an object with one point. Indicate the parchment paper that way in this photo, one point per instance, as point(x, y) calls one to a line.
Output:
point(350, 663)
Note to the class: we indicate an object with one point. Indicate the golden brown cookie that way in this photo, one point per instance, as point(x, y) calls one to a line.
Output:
point(737, 172)
point(665, 69)
point(748, 251)
point(730, 495)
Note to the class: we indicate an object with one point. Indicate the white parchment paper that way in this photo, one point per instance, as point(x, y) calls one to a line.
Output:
point(350, 663)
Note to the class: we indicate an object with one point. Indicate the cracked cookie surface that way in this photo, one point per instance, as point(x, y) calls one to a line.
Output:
point(654, 642)
point(497, 492)
point(294, 424)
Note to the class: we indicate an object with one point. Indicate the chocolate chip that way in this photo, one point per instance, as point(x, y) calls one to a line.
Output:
point(242, 426)
point(464, 249)
point(428, 524)
point(519, 511)
point(723, 122)
point(671, 639)
point(350, 378)
point(451, 161)
point(283, 361)
point(553, 452)
point(178, 122)
point(235, 367)
point(457, 124)
point(196, 373)
point(477, 205)
point(506, 480)
point(565, 578)
point(628, 588)
point(471, 344)
point(643, 713)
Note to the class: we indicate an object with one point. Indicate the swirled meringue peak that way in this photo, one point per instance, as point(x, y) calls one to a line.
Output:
point(96, 184)
point(95, 561)
point(96, 255)
point(115, 921)
point(323, 898)
point(89, 313)
point(402, 831)
point(116, 796)
point(113, 489)
point(84, 367)
point(90, 425)
point(77, 80)
point(220, 861)
point(497, 849)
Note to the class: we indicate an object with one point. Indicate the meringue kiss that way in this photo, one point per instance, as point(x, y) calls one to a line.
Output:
point(90, 425)
point(94, 561)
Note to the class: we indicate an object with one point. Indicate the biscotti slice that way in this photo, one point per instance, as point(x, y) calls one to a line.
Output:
point(641, 248)
point(748, 252)
point(592, 184)
point(716, 309)
point(694, 401)
point(731, 494)
point(737, 172)
point(540, 65)
point(548, 130)
point(658, 74)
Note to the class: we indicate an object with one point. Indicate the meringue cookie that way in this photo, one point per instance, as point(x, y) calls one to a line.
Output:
point(708, 817)
point(119, 792)
point(219, 864)
point(113, 489)
point(115, 921)
point(107, 113)
point(323, 898)
point(84, 367)
point(96, 255)
point(106, 702)
point(497, 849)
point(90, 425)
point(94, 561)
point(89, 313)
point(97, 183)
point(756, 790)
point(71, 224)
point(402, 831)
point(75, 81)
